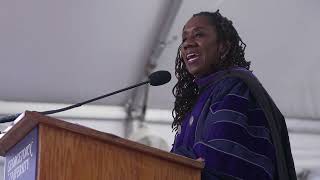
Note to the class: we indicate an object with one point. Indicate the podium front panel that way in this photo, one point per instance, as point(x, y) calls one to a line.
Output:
point(66, 155)
point(21, 160)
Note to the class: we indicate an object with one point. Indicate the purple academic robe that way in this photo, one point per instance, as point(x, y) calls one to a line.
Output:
point(228, 129)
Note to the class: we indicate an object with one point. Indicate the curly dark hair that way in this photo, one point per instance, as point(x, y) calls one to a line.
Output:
point(186, 91)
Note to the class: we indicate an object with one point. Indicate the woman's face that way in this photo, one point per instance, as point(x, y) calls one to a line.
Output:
point(200, 47)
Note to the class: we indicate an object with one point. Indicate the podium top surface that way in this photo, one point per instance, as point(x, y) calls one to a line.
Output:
point(31, 119)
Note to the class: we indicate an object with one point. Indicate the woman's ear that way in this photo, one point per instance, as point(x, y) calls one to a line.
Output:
point(224, 49)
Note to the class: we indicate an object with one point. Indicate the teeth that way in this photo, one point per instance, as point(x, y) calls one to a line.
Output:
point(192, 59)
point(191, 54)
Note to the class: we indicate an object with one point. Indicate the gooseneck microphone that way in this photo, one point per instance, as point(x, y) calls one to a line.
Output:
point(155, 79)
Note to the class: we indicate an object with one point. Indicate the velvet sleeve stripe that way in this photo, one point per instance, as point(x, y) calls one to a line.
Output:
point(233, 125)
point(233, 132)
point(238, 96)
point(241, 120)
point(255, 117)
point(242, 152)
point(254, 132)
point(233, 102)
point(229, 111)
point(228, 158)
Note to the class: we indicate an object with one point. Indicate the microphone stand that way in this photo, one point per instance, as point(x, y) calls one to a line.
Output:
point(13, 117)
point(155, 79)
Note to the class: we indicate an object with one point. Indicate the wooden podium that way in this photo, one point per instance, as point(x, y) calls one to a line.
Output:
point(44, 148)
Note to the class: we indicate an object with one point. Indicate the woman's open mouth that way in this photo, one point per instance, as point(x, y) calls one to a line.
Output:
point(192, 57)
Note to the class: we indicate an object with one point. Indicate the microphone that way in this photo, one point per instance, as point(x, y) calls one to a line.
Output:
point(155, 79)
point(159, 78)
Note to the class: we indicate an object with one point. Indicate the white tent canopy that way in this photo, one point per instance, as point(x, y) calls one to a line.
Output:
point(70, 51)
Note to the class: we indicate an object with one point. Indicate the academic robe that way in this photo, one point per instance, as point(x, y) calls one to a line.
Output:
point(237, 129)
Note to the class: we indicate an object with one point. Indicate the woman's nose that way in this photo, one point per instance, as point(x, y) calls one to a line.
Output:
point(188, 43)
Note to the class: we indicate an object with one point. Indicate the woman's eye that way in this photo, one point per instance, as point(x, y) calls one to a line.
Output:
point(198, 34)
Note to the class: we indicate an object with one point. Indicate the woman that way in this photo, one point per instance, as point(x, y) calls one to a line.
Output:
point(222, 114)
